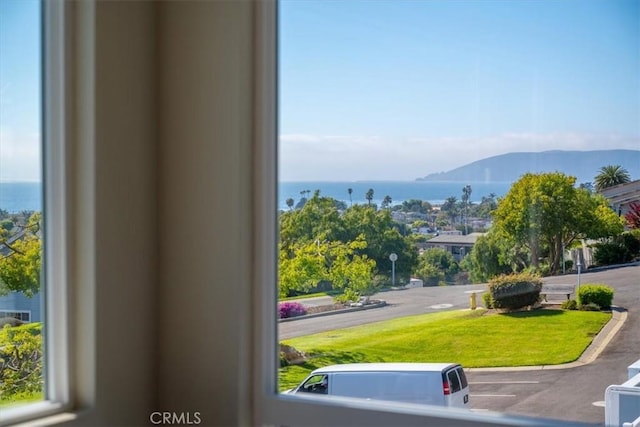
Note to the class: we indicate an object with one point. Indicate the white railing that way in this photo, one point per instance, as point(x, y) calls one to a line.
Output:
point(622, 402)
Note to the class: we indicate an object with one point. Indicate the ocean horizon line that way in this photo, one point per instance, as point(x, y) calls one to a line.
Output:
point(401, 181)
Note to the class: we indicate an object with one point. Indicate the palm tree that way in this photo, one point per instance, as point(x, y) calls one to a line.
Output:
point(350, 191)
point(386, 202)
point(611, 175)
point(450, 207)
point(369, 195)
point(466, 195)
point(290, 203)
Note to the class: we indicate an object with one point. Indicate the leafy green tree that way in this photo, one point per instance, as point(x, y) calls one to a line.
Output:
point(318, 219)
point(6, 225)
point(382, 237)
point(320, 222)
point(442, 220)
point(21, 371)
point(301, 268)
point(20, 267)
point(611, 175)
point(419, 223)
point(414, 205)
point(307, 264)
point(350, 271)
point(491, 256)
point(543, 213)
point(587, 186)
point(486, 206)
point(436, 265)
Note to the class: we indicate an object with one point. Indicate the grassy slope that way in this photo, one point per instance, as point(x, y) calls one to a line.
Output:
point(472, 338)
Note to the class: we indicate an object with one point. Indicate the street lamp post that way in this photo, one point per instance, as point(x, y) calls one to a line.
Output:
point(579, 268)
point(393, 257)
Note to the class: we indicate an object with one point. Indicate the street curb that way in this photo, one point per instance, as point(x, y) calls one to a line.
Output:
point(331, 312)
point(599, 343)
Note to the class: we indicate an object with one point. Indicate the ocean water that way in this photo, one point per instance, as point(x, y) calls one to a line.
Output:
point(399, 191)
point(20, 196)
point(16, 197)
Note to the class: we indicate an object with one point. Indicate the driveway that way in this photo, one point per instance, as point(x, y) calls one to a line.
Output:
point(573, 394)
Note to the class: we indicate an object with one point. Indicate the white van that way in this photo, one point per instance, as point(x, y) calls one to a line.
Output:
point(442, 384)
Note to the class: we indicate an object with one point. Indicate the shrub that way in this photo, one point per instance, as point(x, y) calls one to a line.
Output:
point(569, 305)
point(590, 307)
point(568, 265)
point(515, 291)
point(486, 300)
point(291, 309)
point(381, 281)
point(602, 295)
point(612, 252)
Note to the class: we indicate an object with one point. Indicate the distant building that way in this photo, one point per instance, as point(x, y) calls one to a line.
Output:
point(16, 304)
point(621, 196)
point(19, 306)
point(456, 244)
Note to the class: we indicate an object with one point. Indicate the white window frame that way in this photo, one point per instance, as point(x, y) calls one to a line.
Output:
point(272, 408)
point(68, 230)
point(55, 96)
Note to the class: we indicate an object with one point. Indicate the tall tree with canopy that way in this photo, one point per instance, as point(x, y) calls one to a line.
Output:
point(545, 213)
point(20, 266)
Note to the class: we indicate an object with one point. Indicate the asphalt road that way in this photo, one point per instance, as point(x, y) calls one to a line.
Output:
point(400, 303)
point(564, 394)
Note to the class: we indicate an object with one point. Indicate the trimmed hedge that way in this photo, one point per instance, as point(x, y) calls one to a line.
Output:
point(601, 295)
point(514, 291)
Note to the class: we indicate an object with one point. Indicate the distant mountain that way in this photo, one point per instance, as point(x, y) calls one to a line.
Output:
point(584, 165)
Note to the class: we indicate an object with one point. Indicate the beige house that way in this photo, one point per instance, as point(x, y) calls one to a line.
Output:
point(621, 196)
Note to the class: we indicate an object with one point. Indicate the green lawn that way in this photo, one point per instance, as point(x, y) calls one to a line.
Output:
point(21, 399)
point(471, 338)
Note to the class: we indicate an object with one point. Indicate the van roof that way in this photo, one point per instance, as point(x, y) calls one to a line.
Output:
point(385, 367)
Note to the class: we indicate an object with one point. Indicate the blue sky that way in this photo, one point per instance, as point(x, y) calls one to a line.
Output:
point(20, 90)
point(400, 89)
point(394, 90)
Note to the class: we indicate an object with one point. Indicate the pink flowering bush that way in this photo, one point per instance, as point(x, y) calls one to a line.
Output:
point(291, 309)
